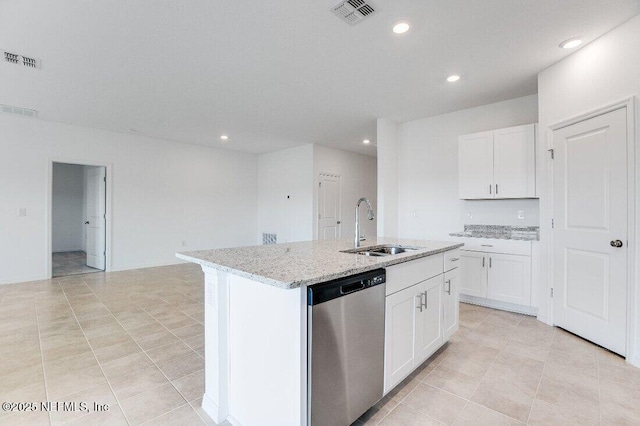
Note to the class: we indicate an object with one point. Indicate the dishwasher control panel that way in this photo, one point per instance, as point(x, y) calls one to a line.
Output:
point(330, 290)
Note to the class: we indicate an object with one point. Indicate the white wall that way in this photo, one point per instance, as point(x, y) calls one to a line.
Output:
point(358, 178)
point(599, 74)
point(163, 193)
point(428, 202)
point(286, 194)
point(67, 206)
point(387, 140)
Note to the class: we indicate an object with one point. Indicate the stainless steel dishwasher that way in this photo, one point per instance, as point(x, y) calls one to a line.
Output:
point(346, 347)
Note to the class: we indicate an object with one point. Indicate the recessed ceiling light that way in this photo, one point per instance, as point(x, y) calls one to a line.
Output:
point(571, 43)
point(366, 141)
point(453, 78)
point(401, 28)
point(224, 137)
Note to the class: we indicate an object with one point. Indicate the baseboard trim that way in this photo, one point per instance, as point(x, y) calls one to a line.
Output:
point(212, 410)
point(20, 280)
point(495, 304)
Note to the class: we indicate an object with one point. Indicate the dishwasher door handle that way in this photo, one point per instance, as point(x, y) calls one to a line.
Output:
point(350, 288)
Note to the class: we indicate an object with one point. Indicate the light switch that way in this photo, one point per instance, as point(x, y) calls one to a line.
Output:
point(520, 214)
point(22, 212)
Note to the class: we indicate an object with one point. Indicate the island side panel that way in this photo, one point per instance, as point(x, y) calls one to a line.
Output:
point(216, 316)
point(267, 354)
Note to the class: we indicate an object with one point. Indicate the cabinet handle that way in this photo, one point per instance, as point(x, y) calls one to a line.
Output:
point(449, 290)
point(455, 259)
point(489, 188)
point(483, 261)
point(496, 189)
point(426, 300)
point(420, 305)
point(489, 262)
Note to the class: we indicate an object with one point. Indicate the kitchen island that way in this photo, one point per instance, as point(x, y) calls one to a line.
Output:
point(256, 318)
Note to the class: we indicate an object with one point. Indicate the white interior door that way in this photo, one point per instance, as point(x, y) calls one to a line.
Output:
point(96, 217)
point(590, 213)
point(329, 207)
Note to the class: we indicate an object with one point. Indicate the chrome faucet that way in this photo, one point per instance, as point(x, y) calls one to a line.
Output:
point(370, 216)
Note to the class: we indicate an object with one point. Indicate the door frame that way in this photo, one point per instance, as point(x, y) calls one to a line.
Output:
point(317, 221)
point(108, 207)
point(633, 186)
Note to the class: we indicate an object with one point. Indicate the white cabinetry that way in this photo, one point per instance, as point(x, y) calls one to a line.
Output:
point(497, 164)
point(496, 270)
point(450, 304)
point(429, 329)
point(421, 312)
point(401, 323)
point(509, 278)
point(474, 274)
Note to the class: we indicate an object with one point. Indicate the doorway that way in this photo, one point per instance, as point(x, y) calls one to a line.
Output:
point(329, 204)
point(591, 229)
point(78, 219)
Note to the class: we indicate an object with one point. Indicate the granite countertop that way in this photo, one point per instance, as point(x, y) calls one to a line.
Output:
point(522, 233)
point(292, 265)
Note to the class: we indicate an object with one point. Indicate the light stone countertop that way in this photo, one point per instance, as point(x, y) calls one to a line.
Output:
point(292, 265)
point(521, 233)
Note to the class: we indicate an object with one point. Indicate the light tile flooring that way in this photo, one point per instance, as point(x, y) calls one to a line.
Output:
point(70, 263)
point(502, 368)
point(134, 340)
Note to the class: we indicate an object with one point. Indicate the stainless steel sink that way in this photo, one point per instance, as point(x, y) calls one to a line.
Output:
point(387, 250)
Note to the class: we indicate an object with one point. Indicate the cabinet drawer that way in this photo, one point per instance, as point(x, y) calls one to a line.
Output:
point(451, 259)
point(409, 273)
point(492, 245)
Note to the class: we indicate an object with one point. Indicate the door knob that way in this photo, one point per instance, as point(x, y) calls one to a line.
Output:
point(616, 243)
point(338, 222)
point(86, 223)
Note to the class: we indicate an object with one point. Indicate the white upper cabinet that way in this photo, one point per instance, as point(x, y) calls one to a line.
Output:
point(498, 164)
point(475, 165)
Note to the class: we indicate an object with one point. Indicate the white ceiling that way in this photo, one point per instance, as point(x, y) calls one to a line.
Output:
point(274, 74)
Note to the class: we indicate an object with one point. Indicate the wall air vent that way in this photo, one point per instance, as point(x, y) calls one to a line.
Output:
point(25, 112)
point(353, 11)
point(14, 58)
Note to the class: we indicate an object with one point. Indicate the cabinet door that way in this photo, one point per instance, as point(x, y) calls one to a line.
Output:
point(450, 305)
point(510, 278)
point(475, 166)
point(473, 270)
point(514, 163)
point(429, 327)
point(400, 334)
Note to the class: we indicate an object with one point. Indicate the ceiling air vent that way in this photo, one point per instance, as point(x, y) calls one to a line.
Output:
point(25, 112)
point(14, 58)
point(353, 11)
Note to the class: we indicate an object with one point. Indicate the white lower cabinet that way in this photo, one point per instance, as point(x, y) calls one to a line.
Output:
point(401, 324)
point(450, 303)
point(495, 276)
point(429, 319)
point(474, 273)
point(419, 318)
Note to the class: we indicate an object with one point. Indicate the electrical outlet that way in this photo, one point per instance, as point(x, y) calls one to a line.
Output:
point(22, 212)
point(521, 214)
point(184, 243)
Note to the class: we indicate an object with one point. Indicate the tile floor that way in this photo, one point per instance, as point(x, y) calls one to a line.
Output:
point(70, 263)
point(502, 368)
point(134, 340)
